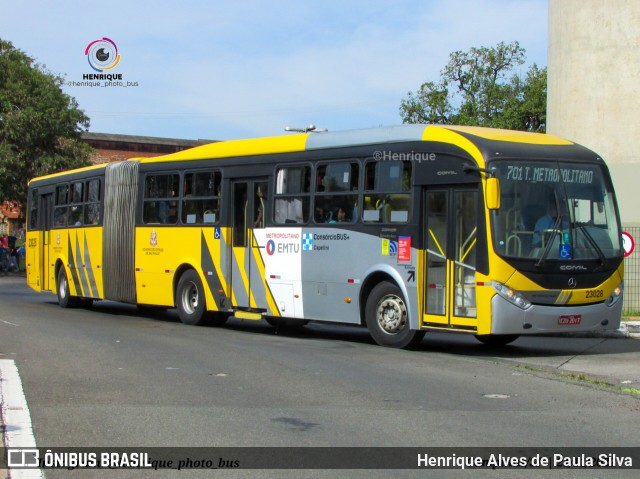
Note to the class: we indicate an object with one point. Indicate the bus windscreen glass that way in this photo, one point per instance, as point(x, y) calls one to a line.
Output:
point(555, 210)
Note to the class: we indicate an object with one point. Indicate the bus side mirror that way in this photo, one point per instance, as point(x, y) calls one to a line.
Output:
point(493, 193)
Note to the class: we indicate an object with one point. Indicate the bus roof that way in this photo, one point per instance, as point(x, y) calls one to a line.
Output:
point(470, 138)
point(349, 138)
point(63, 173)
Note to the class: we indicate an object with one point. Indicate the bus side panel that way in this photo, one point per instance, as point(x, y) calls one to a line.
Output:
point(58, 250)
point(85, 262)
point(157, 251)
point(214, 249)
point(162, 251)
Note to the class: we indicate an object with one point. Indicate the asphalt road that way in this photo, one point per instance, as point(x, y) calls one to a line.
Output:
point(111, 376)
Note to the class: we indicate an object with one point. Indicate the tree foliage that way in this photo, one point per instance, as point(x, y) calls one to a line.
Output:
point(40, 125)
point(479, 88)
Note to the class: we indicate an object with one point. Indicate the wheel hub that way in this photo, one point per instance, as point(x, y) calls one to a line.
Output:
point(391, 314)
point(190, 298)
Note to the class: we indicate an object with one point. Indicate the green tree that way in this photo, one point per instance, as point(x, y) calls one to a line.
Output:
point(40, 126)
point(479, 87)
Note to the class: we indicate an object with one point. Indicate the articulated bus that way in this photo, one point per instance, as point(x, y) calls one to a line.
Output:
point(399, 229)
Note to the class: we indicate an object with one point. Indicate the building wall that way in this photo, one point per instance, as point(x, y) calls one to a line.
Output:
point(102, 155)
point(113, 147)
point(594, 86)
point(594, 97)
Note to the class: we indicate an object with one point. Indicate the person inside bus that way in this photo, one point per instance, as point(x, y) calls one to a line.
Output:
point(340, 216)
point(259, 221)
point(545, 223)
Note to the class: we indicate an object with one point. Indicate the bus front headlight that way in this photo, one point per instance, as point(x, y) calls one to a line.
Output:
point(615, 296)
point(511, 295)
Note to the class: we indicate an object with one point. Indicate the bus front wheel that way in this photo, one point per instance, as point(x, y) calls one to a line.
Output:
point(387, 317)
point(62, 289)
point(190, 299)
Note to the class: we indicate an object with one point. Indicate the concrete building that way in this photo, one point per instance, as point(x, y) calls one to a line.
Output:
point(594, 86)
point(594, 99)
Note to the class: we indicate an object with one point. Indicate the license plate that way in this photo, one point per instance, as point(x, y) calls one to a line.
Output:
point(569, 319)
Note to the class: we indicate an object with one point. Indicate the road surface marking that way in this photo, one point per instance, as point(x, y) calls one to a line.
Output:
point(15, 417)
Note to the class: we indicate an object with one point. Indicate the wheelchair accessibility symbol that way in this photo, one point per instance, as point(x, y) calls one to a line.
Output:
point(565, 251)
point(216, 233)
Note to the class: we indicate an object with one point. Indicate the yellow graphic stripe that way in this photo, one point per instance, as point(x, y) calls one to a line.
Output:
point(563, 297)
point(498, 134)
point(215, 251)
point(446, 135)
point(420, 271)
point(232, 148)
point(239, 256)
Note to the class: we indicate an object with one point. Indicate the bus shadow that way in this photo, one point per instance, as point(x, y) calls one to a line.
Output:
point(528, 346)
point(434, 341)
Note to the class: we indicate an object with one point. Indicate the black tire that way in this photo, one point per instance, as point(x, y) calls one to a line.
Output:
point(388, 319)
point(190, 299)
point(497, 339)
point(65, 299)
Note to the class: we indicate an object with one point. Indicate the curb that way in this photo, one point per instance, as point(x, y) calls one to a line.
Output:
point(627, 329)
point(630, 329)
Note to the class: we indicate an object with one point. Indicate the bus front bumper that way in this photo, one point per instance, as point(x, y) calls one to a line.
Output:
point(538, 319)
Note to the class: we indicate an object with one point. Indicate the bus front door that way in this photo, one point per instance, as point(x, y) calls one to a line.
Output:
point(46, 270)
point(247, 270)
point(450, 236)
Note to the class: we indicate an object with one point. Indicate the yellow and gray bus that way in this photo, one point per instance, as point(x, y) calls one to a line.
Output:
point(400, 229)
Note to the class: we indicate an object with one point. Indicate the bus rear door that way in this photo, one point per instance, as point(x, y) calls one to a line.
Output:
point(247, 270)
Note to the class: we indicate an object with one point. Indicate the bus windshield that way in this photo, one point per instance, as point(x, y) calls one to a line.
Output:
point(555, 210)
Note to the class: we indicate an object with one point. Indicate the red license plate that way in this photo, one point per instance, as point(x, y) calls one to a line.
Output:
point(569, 319)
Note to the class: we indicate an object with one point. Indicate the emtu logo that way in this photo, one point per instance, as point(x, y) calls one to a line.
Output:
point(271, 247)
point(102, 54)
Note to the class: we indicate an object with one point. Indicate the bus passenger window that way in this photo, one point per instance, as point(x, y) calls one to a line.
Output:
point(336, 198)
point(160, 199)
point(60, 217)
point(387, 192)
point(201, 198)
point(293, 198)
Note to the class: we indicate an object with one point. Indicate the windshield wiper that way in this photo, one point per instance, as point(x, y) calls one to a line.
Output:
point(594, 245)
point(547, 248)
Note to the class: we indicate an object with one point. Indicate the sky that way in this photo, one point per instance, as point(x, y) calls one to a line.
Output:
point(232, 69)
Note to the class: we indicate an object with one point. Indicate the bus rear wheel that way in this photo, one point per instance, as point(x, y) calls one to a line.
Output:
point(62, 289)
point(497, 339)
point(190, 299)
point(387, 317)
